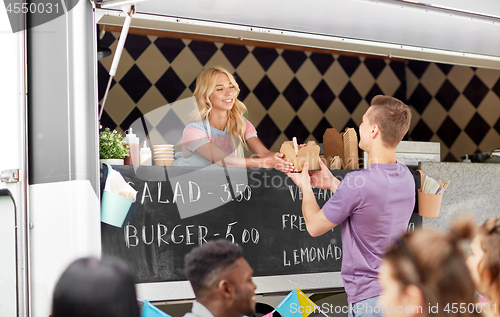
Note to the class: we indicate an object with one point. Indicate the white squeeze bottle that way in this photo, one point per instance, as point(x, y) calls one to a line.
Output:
point(145, 155)
point(133, 141)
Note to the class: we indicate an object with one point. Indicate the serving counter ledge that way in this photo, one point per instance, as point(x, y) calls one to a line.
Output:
point(474, 190)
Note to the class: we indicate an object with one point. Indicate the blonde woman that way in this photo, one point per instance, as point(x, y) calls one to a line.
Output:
point(219, 131)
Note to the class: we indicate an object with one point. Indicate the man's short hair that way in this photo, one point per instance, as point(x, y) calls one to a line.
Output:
point(392, 117)
point(205, 263)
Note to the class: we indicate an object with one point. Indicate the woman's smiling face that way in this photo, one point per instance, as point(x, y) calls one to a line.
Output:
point(224, 94)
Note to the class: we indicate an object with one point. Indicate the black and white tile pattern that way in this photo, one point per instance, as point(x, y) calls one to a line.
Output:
point(301, 93)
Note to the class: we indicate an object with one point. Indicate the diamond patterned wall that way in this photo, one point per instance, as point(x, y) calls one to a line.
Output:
point(300, 93)
point(458, 106)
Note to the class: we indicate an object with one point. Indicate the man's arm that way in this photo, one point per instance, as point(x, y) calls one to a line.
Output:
point(316, 222)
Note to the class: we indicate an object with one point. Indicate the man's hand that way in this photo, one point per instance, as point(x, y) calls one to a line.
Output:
point(302, 179)
point(323, 178)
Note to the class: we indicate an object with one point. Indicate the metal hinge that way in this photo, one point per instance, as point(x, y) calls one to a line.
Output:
point(9, 176)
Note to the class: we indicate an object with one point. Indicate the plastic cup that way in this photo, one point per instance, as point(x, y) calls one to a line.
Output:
point(114, 208)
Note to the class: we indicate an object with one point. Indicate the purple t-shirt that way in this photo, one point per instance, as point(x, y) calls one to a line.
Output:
point(373, 206)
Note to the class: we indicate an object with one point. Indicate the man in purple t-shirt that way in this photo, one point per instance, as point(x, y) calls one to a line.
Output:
point(373, 205)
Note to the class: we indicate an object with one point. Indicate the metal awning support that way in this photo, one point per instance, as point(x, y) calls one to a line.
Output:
point(128, 7)
point(388, 28)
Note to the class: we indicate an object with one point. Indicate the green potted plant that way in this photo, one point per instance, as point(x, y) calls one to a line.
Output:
point(112, 147)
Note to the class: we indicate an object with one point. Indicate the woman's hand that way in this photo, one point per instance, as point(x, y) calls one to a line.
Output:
point(275, 160)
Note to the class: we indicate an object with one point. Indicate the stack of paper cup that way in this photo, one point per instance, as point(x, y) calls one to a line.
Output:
point(164, 154)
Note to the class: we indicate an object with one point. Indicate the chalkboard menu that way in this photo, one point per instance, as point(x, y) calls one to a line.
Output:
point(179, 208)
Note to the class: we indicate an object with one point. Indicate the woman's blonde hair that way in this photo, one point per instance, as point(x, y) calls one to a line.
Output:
point(205, 85)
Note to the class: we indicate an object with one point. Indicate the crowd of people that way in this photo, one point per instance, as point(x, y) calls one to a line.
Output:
point(422, 273)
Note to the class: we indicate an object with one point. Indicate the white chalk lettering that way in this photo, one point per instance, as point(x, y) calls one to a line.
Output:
point(202, 234)
point(160, 234)
point(284, 218)
point(295, 257)
point(293, 218)
point(191, 192)
point(172, 236)
point(293, 221)
point(144, 235)
point(159, 195)
point(188, 235)
point(178, 193)
point(285, 262)
point(144, 195)
point(293, 192)
point(302, 224)
point(312, 254)
point(321, 253)
point(304, 253)
point(338, 253)
point(128, 236)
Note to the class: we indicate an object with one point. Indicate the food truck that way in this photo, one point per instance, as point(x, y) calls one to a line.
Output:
point(51, 176)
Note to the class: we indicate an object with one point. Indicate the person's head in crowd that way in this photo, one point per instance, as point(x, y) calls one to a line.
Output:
point(424, 271)
point(221, 279)
point(213, 85)
point(93, 288)
point(484, 261)
point(385, 123)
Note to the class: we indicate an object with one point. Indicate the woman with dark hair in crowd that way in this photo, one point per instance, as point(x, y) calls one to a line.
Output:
point(424, 274)
point(484, 264)
point(93, 288)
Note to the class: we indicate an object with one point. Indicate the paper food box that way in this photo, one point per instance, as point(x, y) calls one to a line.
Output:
point(308, 153)
point(341, 149)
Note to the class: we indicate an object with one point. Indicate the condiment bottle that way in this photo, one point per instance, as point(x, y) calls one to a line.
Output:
point(145, 155)
point(133, 142)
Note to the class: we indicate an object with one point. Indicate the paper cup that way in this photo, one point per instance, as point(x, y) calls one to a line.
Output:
point(163, 147)
point(114, 208)
point(164, 153)
point(164, 162)
point(164, 157)
point(429, 204)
